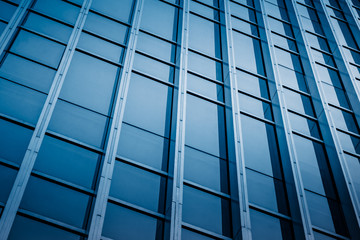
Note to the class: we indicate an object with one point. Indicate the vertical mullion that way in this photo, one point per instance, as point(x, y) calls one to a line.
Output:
point(340, 156)
point(28, 162)
point(237, 137)
point(300, 192)
point(177, 194)
point(98, 215)
point(14, 22)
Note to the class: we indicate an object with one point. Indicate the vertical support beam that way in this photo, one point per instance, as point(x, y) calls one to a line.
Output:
point(177, 194)
point(98, 217)
point(11, 27)
point(353, 13)
point(299, 187)
point(28, 162)
point(239, 152)
point(339, 168)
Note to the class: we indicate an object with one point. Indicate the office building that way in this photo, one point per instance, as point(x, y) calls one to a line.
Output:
point(179, 119)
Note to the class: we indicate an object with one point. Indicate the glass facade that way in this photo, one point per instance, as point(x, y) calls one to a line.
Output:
point(179, 119)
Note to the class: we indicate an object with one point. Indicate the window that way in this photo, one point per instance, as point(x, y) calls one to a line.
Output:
point(67, 161)
point(288, 59)
point(206, 170)
point(6, 10)
point(113, 8)
point(242, 12)
point(106, 28)
point(343, 120)
point(48, 27)
point(26, 228)
point(196, 211)
point(205, 87)
point(148, 105)
point(20, 102)
point(266, 192)
point(249, 58)
point(26, 72)
point(155, 47)
point(100, 47)
point(205, 125)
point(78, 123)
point(292, 79)
point(254, 106)
point(304, 125)
point(204, 36)
point(55, 201)
point(190, 235)
point(298, 102)
point(14, 140)
point(38, 48)
point(138, 187)
point(58, 9)
point(353, 164)
point(123, 223)
point(7, 178)
point(204, 66)
point(143, 146)
point(263, 226)
point(251, 84)
point(159, 18)
point(89, 83)
point(262, 135)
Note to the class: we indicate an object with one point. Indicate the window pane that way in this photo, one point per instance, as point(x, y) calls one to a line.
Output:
point(14, 141)
point(265, 157)
point(38, 48)
point(58, 9)
point(196, 211)
point(288, 59)
point(155, 47)
point(106, 27)
point(55, 201)
point(266, 192)
point(190, 235)
point(205, 125)
point(159, 18)
point(100, 47)
point(255, 107)
point(137, 186)
point(89, 83)
point(148, 105)
point(298, 102)
point(117, 9)
point(6, 10)
point(304, 125)
point(20, 102)
point(67, 161)
point(48, 27)
point(354, 169)
point(251, 84)
point(122, 223)
point(204, 36)
point(292, 79)
point(205, 66)
point(29, 229)
point(206, 170)
point(143, 147)
point(263, 226)
point(26, 72)
point(7, 178)
point(78, 123)
point(153, 68)
point(343, 120)
point(205, 87)
point(249, 57)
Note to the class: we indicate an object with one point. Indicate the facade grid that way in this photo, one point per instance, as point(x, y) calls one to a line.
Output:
point(180, 119)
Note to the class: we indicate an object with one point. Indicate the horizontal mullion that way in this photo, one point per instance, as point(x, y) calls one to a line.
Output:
point(297, 91)
point(32, 60)
point(51, 17)
point(109, 17)
point(206, 18)
point(210, 154)
point(280, 20)
point(330, 234)
point(348, 132)
point(206, 189)
point(256, 97)
point(341, 108)
point(303, 115)
point(245, 20)
point(17, 121)
point(155, 58)
point(322, 51)
point(205, 55)
point(287, 50)
point(141, 166)
point(161, 38)
point(5, 78)
point(265, 174)
point(269, 212)
point(170, 84)
point(103, 38)
point(63, 183)
point(307, 136)
point(244, 5)
point(204, 231)
point(136, 208)
point(97, 56)
point(205, 78)
point(258, 118)
point(207, 5)
point(306, 5)
point(247, 34)
point(75, 142)
point(205, 98)
point(284, 36)
point(53, 222)
point(352, 49)
point(355, 155)
point(251, 73)
point(7, 163)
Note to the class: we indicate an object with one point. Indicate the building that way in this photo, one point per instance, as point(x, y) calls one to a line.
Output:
point(168, 119)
